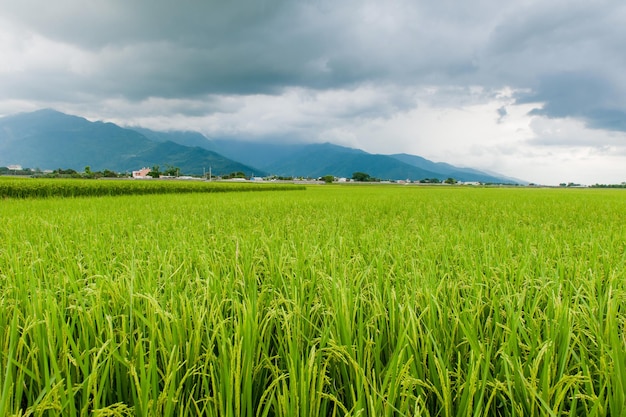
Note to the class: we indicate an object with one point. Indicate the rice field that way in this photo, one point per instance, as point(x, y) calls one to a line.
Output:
point(329, 301)
point(45, 188)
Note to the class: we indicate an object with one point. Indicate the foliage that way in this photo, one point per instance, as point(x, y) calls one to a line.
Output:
point(621, 185)
point(37, 188)
point(238, 174)
point(430, 181)
point(370, 301)
point(67, 173)
point(155, 172)
point(328, 179)
point(107, 173)
point(361, 177)
point(20, 172)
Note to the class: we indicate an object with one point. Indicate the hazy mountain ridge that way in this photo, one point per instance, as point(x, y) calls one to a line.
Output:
point(322, 159)
point(48, 139)
point(182, 137)
point(444, 169)
point(325, 158)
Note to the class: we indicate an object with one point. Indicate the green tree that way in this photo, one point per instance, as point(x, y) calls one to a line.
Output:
point(328, 179)
point(88, 173)
point(67, 172)
point(109, 174)
point(172, 171)
point(238, 174)
point(156, 172)
point(361, 177)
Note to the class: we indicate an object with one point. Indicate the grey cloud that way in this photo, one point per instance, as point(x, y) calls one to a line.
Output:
point(568, 54)
point(162, 48)
point(551, 26)
point(609, 119)
point(502, 113)
point(594, 98)
point(167, 49)
point(97, 24)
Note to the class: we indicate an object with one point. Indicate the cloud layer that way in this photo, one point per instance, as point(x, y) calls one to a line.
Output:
point(481, 82)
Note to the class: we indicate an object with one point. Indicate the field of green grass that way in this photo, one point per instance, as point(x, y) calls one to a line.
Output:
point(44, 188)
point(329, 301)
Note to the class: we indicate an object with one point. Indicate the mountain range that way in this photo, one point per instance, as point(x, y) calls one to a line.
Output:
point(48, 139)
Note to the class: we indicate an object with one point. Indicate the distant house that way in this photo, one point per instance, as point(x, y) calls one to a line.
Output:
point(142, 173)
point(15, 167)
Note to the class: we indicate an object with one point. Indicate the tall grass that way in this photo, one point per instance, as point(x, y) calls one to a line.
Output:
point(47, 188)
point(377, 301)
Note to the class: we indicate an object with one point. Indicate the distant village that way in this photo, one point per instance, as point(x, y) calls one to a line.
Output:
point(147, 173)
point(173, 173)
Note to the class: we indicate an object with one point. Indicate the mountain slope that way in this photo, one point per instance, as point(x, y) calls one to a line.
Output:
point(447, 170)
point(322, 159)
point(315, 160)
point(185, 138)
point(259, 154)
point(194, 160)
point(48, 139)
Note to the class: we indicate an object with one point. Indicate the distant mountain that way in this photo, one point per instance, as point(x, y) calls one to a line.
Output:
point(48, 139)
point(450, 171)
point(192, 161)
point(316, 160)
point(185, 138)
point(253, 154)
point(258, 154)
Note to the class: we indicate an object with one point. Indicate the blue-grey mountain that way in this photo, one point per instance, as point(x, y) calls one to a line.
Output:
point(48, 139)
point(316, 160)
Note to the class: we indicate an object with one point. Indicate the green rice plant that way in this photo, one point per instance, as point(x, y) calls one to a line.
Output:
point(47, 188)
point(336, 301)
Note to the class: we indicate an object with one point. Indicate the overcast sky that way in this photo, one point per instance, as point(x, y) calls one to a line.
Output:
point(530, 89)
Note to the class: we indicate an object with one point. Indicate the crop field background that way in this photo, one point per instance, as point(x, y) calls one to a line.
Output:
point(329, 301)
point(44, 188)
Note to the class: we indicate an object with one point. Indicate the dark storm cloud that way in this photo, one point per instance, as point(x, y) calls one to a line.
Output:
point(146, 48)
point(97, 24)
point(568, 54)
point(594, 99)
point(163, 48)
